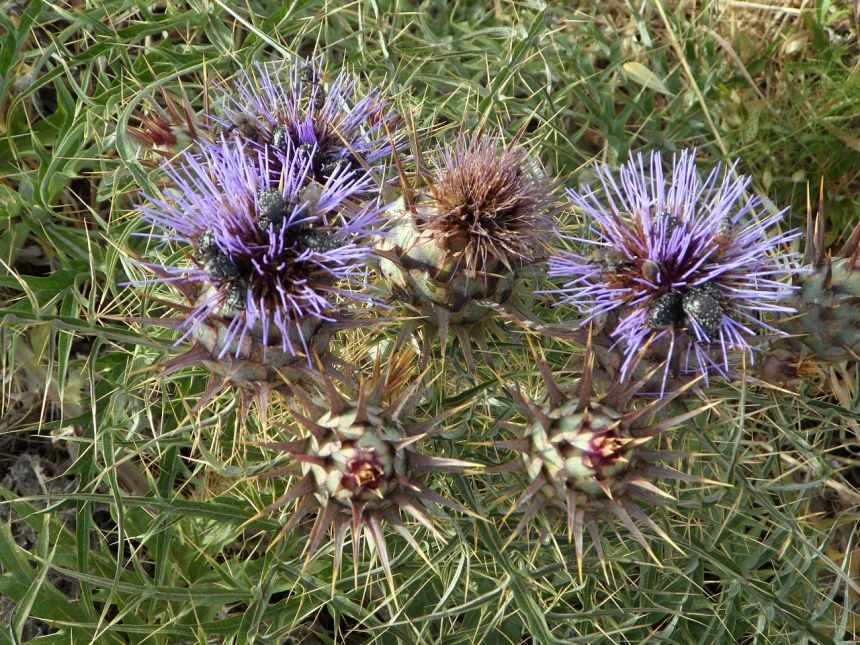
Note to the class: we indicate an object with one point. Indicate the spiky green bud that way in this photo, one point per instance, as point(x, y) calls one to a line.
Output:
point(583, 451)
point(360, 467)
point(829, 302)
point(584, 457)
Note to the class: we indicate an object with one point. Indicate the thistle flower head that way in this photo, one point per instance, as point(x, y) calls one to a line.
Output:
point(686, 264)
point(828, 294)
point(168, 128)
point(335, 125)
point(360, 468)
point(263, 253)
point(585, 457)
point(490, 204)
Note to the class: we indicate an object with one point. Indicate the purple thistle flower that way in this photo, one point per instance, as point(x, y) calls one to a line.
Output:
point(333, 124)
point(265, 254)
point(684, 265)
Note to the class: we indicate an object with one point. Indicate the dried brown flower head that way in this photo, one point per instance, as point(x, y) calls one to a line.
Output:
point(491, 204)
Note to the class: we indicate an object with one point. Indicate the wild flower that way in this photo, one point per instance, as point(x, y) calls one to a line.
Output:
point(264, 254)
point(337, 126)
point(684, 267)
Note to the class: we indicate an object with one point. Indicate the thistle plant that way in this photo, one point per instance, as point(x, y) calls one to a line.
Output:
point(269, 257)
point(676, 267)
point(459, 244)
point(337, 126)
point(828, 297)
point(588, 457)
point(127, 504)
point(360, 468)
point(169, 129)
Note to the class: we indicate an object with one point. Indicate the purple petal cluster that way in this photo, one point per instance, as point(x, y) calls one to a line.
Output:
point(266, 249)
point(334, 124)
point(677, 262)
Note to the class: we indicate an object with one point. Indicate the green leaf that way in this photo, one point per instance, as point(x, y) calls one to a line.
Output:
point(532, 612)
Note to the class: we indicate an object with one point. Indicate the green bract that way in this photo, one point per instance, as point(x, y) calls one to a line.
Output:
point(425, 271)
point(250, 361)
point(583, 451)
point(829, 302)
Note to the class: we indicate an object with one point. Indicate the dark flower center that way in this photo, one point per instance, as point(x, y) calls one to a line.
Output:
point(259, 271)
point(673, 303)
point(603, 450)
point(325, 149)
point(363, 471)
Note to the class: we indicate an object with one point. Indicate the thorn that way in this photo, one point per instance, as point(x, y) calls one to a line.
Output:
point(570, 494)
point(529, 514)
point(519, 445)
point(658, 404)
point(303, 398)
point(314, 460)
point(628, 522)
point(301, 489)
point(323, 521)
point(340, 527)
point(406, 400)
point(577, 541)
point(382, 551)
point(408, 441)
point(357, 510)
point(533, 488)
point(425, 493)
point(809, 251)
point(659, 472)
point(304, 508)
point(556, 396)
point(425, 463)
point(585, 384)
point(443, 319)
point(315, 429)
point(396, 523)
point(646, 485)
point(594, 534)
point(642, 516)
point(406, 483)
point(420, 517)
point(466, 348)
point(507, 467)
point(361, 405)
point(605, 488)
point(215, 384)
point(338, 404)
point(681, 418)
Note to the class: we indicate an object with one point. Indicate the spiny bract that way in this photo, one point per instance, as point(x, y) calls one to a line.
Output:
point(360, 467)
point(828, 297)
point(585, 456)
